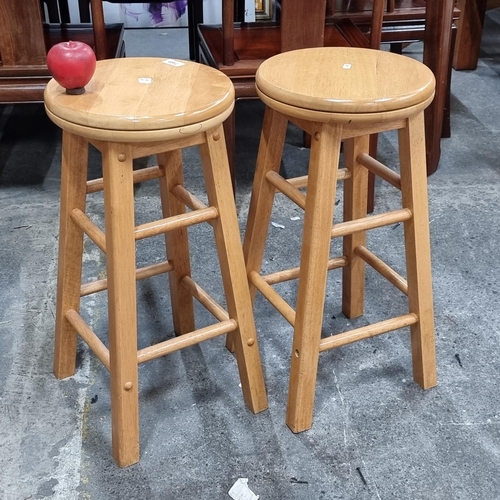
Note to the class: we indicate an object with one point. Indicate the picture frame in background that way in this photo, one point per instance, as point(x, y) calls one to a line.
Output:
point(264, 10)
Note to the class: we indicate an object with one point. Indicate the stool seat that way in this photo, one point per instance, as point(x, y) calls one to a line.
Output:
point(124, 99)
point(349, 82)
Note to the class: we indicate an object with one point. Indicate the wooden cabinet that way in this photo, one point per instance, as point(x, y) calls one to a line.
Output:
point(24, 41)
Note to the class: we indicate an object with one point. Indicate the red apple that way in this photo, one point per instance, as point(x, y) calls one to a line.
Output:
point(72, 65)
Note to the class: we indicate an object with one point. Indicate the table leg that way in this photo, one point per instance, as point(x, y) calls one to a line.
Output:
point(437, 52)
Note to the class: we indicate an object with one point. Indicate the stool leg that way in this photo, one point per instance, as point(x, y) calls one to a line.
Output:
point(176, 242)
point(320, 204)
point(228, 242)
point(122, 312)
point(272, 141)
point(355, 207)
point(69, 274)
point(271, 145)
point(417, 243)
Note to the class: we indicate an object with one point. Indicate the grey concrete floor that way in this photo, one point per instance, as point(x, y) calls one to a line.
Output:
point(376, 434)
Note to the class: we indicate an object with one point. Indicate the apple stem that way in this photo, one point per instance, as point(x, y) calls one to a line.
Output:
point(77, 91)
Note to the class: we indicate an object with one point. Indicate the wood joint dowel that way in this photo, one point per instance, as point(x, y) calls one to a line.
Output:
point(175, 222)
point(370, 222)
point(185, 340)
point(273, 297)
point(287, 189)
point(92, 340)
point(380, 169)
point(290, 274)
point(368, 331)
point(141, 273)
point(204, 299)
point(381, 267)
point(89, 228)
point(142, 175)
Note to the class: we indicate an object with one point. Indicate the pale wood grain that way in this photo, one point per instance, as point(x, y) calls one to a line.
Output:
point(115, 98)
point(160, 118)
point(69, 271)
point(379, 92)
point(318, 79)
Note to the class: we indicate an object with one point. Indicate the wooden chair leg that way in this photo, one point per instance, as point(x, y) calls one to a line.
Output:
point(370, 205)
point(228, 242)
point(73, 196)
point(318, 216)
point(355, 188)
point(230, 135)
point(417, 244)
point(176, 242)
point(268, 159)
point(272, 141)
point(122, 312)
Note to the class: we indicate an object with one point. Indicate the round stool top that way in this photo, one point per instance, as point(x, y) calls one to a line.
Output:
point(144, 94)
point(345, 80)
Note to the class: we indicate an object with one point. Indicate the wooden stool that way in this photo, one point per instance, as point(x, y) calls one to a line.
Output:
point(133, 108)
point(337, 94)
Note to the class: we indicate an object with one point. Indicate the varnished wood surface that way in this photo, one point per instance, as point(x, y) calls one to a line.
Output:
point(21, 46)
point(141, 94)
point(345, 80)
point(256, 42)
point(24, 80)
point(437, 54)
point(306, 317)
point(470, 30)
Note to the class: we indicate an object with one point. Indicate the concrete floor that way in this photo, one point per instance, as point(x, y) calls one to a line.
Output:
point(376, 434)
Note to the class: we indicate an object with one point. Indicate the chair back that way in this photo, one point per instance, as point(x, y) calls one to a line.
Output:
point(302, 24)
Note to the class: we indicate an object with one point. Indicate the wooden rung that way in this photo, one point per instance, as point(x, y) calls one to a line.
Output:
point(142, 175)
point(370, 222)
point(189, 199)
point(140, 274)
point(273, 297)
point(186, 340)
point(89, 228)
point(290, 274)
point(380, 169)
point(287, 189)
point(175, 222)
point(204, 299)
point(92, 340)
point(368, 331)
point(301, 182)
point(380, 266)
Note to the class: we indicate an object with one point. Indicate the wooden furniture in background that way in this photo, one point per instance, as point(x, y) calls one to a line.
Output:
point(238, 49)
point(470, 30)
point(375, 91)
point(24, 42)
point(195, 101)
point(407, 21)
point(195, 17)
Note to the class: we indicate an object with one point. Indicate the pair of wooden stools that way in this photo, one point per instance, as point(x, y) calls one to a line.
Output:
point(148, 106)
